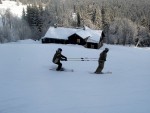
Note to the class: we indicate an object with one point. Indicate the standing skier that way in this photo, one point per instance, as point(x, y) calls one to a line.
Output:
point(101, 61)
point(57, 58)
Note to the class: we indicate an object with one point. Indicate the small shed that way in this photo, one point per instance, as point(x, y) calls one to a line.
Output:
point(90, 43)
point(93, 39)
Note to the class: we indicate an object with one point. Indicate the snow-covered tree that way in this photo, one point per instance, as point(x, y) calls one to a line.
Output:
point(13, 28)
point(143, 37)
point(122, 31)
point(34, 17)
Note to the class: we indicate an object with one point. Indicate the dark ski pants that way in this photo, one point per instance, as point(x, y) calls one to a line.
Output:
point(59, 66)
point(100, 67)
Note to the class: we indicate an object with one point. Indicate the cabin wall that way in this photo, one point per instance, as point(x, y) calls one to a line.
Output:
point(75, 39)
point(53, 40)
point(91, 45)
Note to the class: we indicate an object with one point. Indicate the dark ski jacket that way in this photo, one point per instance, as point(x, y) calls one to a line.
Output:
point(103, 56)
point(58, 57)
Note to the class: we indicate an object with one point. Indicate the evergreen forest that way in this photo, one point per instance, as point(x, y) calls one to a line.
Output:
point(124, 22)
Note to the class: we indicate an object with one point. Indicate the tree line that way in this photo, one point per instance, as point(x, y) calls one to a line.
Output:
point(124, 22)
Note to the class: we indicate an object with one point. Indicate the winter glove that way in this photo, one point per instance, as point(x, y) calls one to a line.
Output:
point(65, 59)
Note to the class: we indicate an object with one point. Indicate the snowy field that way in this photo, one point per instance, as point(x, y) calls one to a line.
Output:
point(28, 86)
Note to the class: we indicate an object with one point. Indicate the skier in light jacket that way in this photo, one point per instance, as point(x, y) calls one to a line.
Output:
point(57, 58)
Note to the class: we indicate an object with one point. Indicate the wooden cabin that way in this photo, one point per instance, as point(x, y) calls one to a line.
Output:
point(86, 37)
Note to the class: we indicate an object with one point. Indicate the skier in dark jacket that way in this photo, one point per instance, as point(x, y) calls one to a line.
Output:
point(101, 61)
point(59, 57)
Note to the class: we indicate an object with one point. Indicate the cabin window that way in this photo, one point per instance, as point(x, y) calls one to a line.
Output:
point(78, 40)
point(92, 46)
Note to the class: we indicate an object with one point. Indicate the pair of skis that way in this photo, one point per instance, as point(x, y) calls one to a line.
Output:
point(65, 70)
point(107, 72)
point(71, 70)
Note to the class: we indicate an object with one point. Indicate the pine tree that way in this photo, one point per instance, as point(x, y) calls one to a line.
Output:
point(35, 19)
point(105, 24)
point(28, 15)
point(78, 20)
point(24, 17)
point(103, 17)
point(40, 19)
point(94, 16)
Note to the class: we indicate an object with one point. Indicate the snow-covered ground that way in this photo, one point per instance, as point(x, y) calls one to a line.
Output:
point(28, 86)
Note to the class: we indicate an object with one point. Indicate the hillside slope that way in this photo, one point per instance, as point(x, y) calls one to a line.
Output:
point(28, 86)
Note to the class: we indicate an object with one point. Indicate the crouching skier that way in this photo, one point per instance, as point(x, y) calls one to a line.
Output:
point(57, 58)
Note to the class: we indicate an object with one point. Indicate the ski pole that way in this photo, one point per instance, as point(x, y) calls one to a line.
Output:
point(90, 58)
point(82, 58)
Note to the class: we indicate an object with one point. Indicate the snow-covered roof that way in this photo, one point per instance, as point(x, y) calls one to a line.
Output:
point(91, 40)
point(59, 32)
point(90, 34)
point(83, 33)
point(64, 33)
